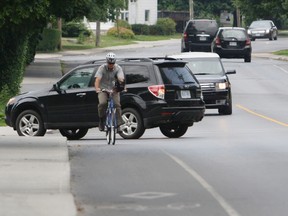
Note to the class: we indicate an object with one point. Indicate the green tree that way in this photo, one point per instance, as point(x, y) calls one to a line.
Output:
point(104, 10)
point(262, 9)
point(21, 22)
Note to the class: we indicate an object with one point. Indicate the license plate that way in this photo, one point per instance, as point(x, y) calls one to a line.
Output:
point(233, 43)
point(202, 38)
point(258, 34)
point(185, 94)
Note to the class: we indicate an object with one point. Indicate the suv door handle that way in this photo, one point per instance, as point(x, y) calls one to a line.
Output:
point(81, 94)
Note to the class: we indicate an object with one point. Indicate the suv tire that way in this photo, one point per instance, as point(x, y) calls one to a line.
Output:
point(30, 123)
point(74, 134)
point(133, 127)
point(173, 131)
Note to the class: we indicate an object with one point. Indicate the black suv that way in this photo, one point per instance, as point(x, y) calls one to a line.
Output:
point(198, 35)
point(160, 93)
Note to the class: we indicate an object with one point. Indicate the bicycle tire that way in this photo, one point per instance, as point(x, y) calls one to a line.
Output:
point(108, 136)
point(113, 127)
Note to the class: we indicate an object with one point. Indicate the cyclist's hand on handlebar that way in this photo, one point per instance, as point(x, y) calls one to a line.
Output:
point(98, 90)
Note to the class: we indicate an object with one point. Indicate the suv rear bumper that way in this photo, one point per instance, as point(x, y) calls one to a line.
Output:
point(198, 46)
point(167, 115)
point(231, 53)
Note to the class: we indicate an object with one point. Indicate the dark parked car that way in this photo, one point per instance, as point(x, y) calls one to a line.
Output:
point(198, 35)
point(262, 29)
point(232, 42)
point(209, 70)
point(160, 93)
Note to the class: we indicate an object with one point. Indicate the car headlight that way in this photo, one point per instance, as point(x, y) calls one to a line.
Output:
point(267, 31)
point(11, 101)
point(221, 86)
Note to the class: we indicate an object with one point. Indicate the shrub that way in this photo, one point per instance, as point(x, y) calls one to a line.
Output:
point(50, 40)
point(121, 32)
point(124, 24)
point(141, 29)
point(165, 26)
point(74, 29)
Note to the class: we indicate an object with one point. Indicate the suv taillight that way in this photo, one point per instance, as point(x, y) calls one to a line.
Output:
point(248, 42)
point(217, 41)
point(157, 90)
point(185, 36)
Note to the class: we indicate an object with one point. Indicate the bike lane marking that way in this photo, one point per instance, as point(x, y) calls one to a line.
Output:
point(209, 188)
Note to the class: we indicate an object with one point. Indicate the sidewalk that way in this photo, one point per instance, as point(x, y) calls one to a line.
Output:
point(34, 176)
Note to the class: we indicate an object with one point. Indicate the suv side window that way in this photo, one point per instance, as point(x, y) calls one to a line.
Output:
point(176, 75)
point(80, 78)
point(136, 74)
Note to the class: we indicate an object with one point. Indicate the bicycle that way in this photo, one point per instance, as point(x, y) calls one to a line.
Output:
point(111, 119)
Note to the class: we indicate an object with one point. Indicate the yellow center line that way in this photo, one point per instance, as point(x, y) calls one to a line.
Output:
point(262, 116)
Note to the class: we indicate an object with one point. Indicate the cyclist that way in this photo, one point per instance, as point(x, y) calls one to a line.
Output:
point(107, 76)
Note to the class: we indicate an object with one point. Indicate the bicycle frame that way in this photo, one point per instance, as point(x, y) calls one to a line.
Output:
point(111, 120)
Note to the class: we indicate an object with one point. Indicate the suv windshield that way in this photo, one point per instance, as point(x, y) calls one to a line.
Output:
point(205, 66)
point(176, 75)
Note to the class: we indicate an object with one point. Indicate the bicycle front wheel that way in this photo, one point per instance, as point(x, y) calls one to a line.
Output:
point(108, 135)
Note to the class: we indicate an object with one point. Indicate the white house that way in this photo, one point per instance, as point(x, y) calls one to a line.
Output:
point(141, 12)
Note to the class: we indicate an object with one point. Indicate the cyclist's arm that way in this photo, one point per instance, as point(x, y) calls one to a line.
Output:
point(97, 84)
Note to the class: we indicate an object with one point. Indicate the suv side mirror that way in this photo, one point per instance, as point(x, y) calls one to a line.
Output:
point(230, 72)
point(57, 88)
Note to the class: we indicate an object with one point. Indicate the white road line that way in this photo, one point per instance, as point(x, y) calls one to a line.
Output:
point(285, 71)
point(225, 205)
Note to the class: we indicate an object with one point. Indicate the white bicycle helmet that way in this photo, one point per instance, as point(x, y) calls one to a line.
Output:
point(111, 58)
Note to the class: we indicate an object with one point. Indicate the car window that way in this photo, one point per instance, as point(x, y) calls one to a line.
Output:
point(176, 75)
point(136, 74)
point(261, 24)
point(79, 78)
point(203, 25)
point(205, 66)
point(232, 33)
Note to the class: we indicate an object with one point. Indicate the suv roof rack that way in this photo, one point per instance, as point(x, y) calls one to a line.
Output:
point(148, 59)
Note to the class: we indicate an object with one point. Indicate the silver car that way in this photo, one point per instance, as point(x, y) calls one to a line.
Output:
point(262, 29)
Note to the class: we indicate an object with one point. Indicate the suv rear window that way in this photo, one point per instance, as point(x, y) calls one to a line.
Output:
point(208, 26)
point(233, 33)
point(176, 75)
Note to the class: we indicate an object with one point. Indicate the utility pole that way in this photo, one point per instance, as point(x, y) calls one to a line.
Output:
point(191, 9)
point(238, 17)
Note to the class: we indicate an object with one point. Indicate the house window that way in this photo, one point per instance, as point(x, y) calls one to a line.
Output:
point(147, 13)
point(133, 0)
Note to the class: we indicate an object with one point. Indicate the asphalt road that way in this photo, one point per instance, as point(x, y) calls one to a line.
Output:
point(224, 165)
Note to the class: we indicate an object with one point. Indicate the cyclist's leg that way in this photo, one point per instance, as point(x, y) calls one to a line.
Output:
point(102, 107)
point(116, 98)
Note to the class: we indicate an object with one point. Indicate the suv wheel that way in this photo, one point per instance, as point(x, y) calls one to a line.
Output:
point(29, 123)
point(173, 131)
point(74, 134)
point(247, 58)
point(226, 110)
point(133, 127)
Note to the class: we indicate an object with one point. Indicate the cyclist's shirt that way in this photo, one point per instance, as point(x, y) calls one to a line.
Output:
point(108, 76)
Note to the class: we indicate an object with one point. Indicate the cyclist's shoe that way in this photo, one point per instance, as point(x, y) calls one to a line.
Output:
point(101, 124)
